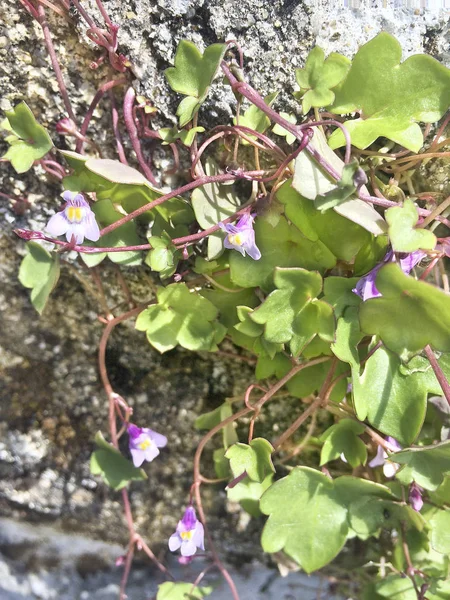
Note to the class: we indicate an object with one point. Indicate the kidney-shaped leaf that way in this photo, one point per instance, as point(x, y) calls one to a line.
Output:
point(115, 469)
point(376, 84)
point(427, 465)
point(307, 518)
point(39, 271)
point(410, 314)
point(181, 591)
point(404, 237)
point(254, 459)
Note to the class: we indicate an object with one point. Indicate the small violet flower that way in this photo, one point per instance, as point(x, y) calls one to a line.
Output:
point(241, 237)
point(366, 288)
point(381, 459)
point(144, 444)
point(76, 219)
point(189, 535)
point(415, 497)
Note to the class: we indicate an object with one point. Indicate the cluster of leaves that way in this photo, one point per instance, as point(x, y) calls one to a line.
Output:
point(297, 304)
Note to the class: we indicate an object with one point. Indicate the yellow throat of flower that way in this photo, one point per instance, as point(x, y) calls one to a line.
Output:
point(145, 444)
point(186, 535)
point(75, 214)
point(235, 239)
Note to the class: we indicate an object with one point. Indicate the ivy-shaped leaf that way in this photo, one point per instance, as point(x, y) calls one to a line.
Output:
point(375, 86)
point(342, 438)
point(426, 465)
point(39, 271)
point(439, 523)
point(181, 317)
point(341, 236)
point(338, 291)
point(368, 515)
point(307, 518)
point(392, 400)
point(395, 586)
point(187, 136)
point(403, 235)
point(311, 379)
point(248, 494)
point(419, 310)
point(163, 257)
point(345, 187)
point(181, 591)
point(292, 312)
point(319, 76)
point(254, 459)
point(279, 130)
point(280, 246)
point(125, 235)
point(211, 419)
point(29, 140)
point(254, 118)
point(213, 203)
point(311, 181)
point(192, 75)
point(115, 470)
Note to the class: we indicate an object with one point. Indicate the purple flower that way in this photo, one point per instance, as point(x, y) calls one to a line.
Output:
point(415, 496)
point(366, 288)
point(382, 458)
point(144, 444)
point(75, 220)
point(189, 535)
point(241, 236)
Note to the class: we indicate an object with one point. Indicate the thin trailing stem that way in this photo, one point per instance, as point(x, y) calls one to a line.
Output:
point(440, 375)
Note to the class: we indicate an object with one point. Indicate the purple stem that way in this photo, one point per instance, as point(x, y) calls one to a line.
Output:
point(96, 99)
point(132, 132)
point(117, 135)
point(54, 60)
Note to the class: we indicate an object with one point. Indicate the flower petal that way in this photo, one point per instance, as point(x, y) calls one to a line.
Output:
point(138, 456)
point(159, 439)
point(199, 536)
point(188, 548)
point(57, 225)
point(151, 453)
point(174, 542)
point(379, 459)
point(91, 228)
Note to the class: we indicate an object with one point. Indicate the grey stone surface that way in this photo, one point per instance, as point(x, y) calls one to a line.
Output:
point(51, 403)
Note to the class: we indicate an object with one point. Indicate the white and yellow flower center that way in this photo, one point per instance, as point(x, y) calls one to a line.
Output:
point(186, 535)
point(235, 239)
point(75, 214)
point(145, 444)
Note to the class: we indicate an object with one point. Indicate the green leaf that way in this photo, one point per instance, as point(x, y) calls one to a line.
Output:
point(419, 310)
point(125, 235)
point(396, 587)
point(213, 203)
point(307, 519)
point(280, 246)
point(319, 77)
point(376, 84)
point(426, 465)
point(192, 75)
point(279, 130)
point(115, 171)
point(311, 181)
point(403, 236)
point(342, 438)
point(345, 188)
point(163, 257)
point(342, 237)
point(181, 591)
point(292, 313)
point(392, 400)
point(337, 291)
point(115, 470)
point(310, 380)
point(39, 271)
point(440, 531)
point(248, 494)
point(211, 419)
point(254, 118)
point(369, 514)
point(181, 317)
point(254, 459)
point(187, 136)
point(30, 141)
